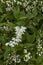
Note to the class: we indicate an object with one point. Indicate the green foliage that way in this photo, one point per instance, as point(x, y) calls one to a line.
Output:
point(32, 19)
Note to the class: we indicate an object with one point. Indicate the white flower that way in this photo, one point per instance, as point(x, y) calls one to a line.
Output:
point(11, 45)
point(39, 48)
point(8, 8)
point(27, 57)
point(19, 32)
point(15, 58)
point(6, 28)
point(2, 1)
point(39, 54)
point(19, 3)
point(42, 8)
point(7, 44)
point(18, 59)
point(25, 50)
point(14, 0)
point(18, 40)
point(13, 38)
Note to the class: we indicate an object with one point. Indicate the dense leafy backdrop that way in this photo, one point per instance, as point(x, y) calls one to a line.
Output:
point(21, 13)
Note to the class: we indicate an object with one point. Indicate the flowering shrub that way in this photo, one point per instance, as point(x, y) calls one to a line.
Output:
point(21, 32)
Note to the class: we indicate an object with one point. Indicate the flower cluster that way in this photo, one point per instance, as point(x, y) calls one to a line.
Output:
point(19, 32)
point(39, 48)
point(27, 55)
point(28, 5)
point(9, 5)
point(16, 58)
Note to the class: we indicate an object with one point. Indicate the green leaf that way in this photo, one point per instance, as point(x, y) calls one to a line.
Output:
point(30, 38)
